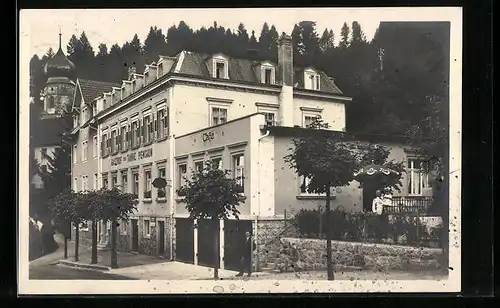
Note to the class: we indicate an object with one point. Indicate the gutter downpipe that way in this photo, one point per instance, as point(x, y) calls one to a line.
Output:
point(260, 196)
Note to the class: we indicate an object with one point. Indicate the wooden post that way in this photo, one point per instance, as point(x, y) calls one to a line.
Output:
point(77, 242)
point(320, 222)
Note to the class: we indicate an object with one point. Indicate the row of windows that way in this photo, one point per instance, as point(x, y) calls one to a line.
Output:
point(237, 169)
point(121, 181)
point(84, 155)
point(143, 131)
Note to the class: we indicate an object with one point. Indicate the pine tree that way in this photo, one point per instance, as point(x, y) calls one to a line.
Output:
point(344, 36)
point(154, 44)
point(357, 34)
point(326, 42)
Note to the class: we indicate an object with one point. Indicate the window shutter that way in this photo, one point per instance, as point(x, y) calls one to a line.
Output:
point(166, 123)
point(153, 128)
point(119, 142)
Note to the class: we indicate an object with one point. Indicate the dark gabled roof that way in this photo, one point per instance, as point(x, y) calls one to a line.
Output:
point(243, 70)
point(47, 132)
point(59, 66)
point(91, 89)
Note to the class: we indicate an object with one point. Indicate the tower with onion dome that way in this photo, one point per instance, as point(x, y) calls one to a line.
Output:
point(59, 88)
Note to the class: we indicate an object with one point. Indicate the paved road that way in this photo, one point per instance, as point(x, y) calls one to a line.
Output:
point(48, 271)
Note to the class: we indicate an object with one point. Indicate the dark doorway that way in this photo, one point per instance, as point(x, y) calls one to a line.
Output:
point(208, 253)
point(161, 239)
point(135, 235)
point(184, 240)
point(234, 235)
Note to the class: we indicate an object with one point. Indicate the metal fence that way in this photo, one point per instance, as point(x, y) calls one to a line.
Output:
point(407, 204)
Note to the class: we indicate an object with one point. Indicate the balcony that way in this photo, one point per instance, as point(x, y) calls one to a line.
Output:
point(409, 204)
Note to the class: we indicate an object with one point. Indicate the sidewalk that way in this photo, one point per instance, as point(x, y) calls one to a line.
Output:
point(350, 275)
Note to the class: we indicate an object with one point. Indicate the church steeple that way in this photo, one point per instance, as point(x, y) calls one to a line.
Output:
point(60, 38)
point(60, 85)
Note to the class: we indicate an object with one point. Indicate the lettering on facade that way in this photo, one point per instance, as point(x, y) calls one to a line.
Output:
point(145, 153)
point(132, 157)
point(208, 136)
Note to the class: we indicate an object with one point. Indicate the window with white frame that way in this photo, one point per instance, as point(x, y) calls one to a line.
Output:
point(148, 126)
point(216, 163)
point(162, 118)
point(238, 169)
point(105, 183)
point(147, 184)
point(84, 150)
point(75, 184)
point(311, 80)
point(308, 119)
point(94, 108)
point(147, 228)
point(123, 136)
point(198, 166)
point(218, 115)
point(134, 133)
point(94, 147)
point(418, 178)
point(162, 173)
point(270, 118)
point(114, 180)
point(75, 154)
point(124, 184)
point(104, 143)
point(181, 175)
point(135, 186)
point(220, 69)
point(85, 179)
point(114, 139)
point(304, 186)
point(267, 74)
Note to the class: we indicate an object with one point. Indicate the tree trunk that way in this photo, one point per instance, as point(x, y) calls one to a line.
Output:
point(77, 242)
point(329, 262)
point(114, 257)
point(216, 250)
point(65, 247)
point(94, 242)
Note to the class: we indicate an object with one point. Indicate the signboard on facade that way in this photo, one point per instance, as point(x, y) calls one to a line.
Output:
point(208, 136)
point(114, 161)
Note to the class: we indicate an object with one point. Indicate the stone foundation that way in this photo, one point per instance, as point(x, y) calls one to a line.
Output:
point(312, 254)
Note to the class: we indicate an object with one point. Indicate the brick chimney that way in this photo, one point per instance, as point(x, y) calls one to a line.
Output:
point(285, 78)
point(131, 71)
point(285, 60)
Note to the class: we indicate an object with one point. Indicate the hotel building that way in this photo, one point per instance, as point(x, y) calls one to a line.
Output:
point(193, 107)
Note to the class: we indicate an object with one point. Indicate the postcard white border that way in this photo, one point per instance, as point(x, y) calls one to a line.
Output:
point(452, 284)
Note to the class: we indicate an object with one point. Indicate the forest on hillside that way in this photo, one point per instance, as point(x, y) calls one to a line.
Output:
point(398, 80)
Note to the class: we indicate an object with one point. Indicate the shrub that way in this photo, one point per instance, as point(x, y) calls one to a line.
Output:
point(360, 227)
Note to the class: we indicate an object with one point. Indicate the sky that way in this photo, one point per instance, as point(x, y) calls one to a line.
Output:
point(117, 26)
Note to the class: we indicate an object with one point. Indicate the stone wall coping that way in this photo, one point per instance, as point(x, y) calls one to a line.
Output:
point(386, 246)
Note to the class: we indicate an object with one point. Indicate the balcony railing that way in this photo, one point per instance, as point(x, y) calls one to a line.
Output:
point(407, 204)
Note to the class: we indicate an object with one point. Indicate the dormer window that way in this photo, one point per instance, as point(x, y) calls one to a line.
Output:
point(146, 78)
point(220, 70)
point(267, 73)
point(133, 86)
point(312, 80)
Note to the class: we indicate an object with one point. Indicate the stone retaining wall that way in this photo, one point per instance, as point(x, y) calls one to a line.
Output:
point(269, 233)
point(312, 254)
